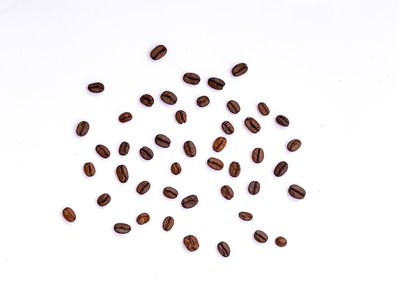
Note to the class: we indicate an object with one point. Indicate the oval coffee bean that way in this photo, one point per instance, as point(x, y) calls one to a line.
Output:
point(219, 144)
point(281, 169)
point(89, 169)
point(216, 83)
point(125, 117)
point(297, 191)
point(252, 125)
point(96, 87)
point(169, 97)
point(143, 218)
point(146, 153)
point(103, 199)
point(294, 145)
point(143, 187)
point(158, 52)
point(170, 192)
point(281, 241)
point(215, 163)
point(254, 187)
point(103, 151)
point(239, 69)
point(180, 116)
point(260, 236)
point(168, 223)
point(122, 228)
point(246, 216)
point(162, 141)
point(263, 108)
point(227, 192)
point(82, 128)
point(191, 78)
point(282, 120)
point(257, 155)
point(234, 169)
point(233, 106)
point(190, 149)
point(223, 249)
point(189, 201)
point(147, 100)
point(124, 148)
point(122, 173)
point(191, 243)
point(227, 127)
point(176, 168)
point(69, 214)
point(203, 101)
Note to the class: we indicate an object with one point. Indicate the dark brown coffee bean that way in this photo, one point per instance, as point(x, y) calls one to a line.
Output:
point(234, 169)
point(124, 148)
point(96, 87)
point(190, 149)
point(180, 116)
point(216, 83)
point(260, 236)
point(158, 52)
point(293, 145)
point(263, 108)
point(143, 187)
point(122, 173)
point(122, 228)
point(191, 243)
point(233, 106)
point(125, 117)
point(143, 218)
point(227, 127)
point(223, 249)
point(191, 78)
point(103, 199)
point(82, 128)
point(239, 69)
point(189, 201)
point(147, 100)
point(176, 168)
point(215, 163)
point(257, 155)
point(227, 192)
point(246, 216)
point(281, 241)
point(162, 141)
point(203, 101)
point(281, 169)
point(168, 223)
point(282, 120)
point(252, 125)
point(170, 192)
point(169, 97)
point(297, 191)
point(89, 169)
point(219, 144)
point(254, 187)
point(69, 214)
point(103, 151)
point(146, 153)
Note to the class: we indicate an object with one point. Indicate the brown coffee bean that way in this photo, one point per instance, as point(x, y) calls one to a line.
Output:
point(103, 199)
point(191, 78)
point(281, 169)
point(162, 141)
point(146, 153)
point(170, 192)
point(227, 192)
point(147, 100)
point(254, 187)
point(263, 108)
point(82, 128)
point(143, 187)
point(239, 69)
point(246, 216)
point(227, 127)
point(69, 214)
point(180, 116)
point(219, 144)
point(96, 87)
point(203, 101)
point(189, 201)
point(215, 163)
point(89, 169)
point(216, 83)
point(158, 52)
point(296, 191)
point(252, 125)
point(281, 241)
point(233, 106)
point(260, 236)
point(234, 169)
point(223, 249)
point(257, 155)
point(122, 228)
point(103, 151)
point(169, 97)
point(190, 149)
point(191, 243)
point(125, 117)
point(124, 148)
point(168, 223)
point(282, 120)
point(122, 173)
point(293, 145)
point(143, 218)
point(176, 168)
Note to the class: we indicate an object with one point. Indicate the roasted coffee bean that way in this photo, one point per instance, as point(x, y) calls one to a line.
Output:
point(219, 144)
point(69, 214)
point(239, 69)
point(158, 52)
point(234, 169)
point(82, 128)
point(293, 145)
point(297, 191)
point(282, 120)
point(260, 236)
point(281, 241)
point(189, 201)
point(143, 218)
point(146, 153)
point(169, 97)
point(191, 78)
point(147, 100)
point(223, 249)
point(162, 141)
point(143, 187)
point(89, 169)
point(125, 117)
point(233, 106)
point(246, 216)
point(252, 125)
point(180, 116)
point(281, 169)
point(254, 187)
point(170, 192)
point(190, 149)
point(191, 243)
point(103, 151)
point(263, 108)
point(216, 83)
point(257, 155)
point(122, 173)
point(122, 228)
point(203, 101)
point(215, 163)
point(168, 223)
point(103, 199)
point(227, 127)
point(96, 87)
point(176, 168)
point(227, 192)
point(124, 148)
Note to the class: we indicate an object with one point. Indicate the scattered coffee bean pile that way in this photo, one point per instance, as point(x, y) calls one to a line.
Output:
point(189, 148)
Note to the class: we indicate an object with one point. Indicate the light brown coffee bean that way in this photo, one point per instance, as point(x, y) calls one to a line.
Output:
point(143, 218)
point(219, 144)
point(69, 214)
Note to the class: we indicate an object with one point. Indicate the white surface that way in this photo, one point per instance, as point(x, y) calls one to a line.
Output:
point(331, 66)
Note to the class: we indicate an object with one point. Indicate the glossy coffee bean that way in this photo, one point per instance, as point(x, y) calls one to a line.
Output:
point(69, 214)
point(191, 78)
point(227, 127)
point(296, 191)
point(181, 116)
point(143, 187)
point(216, 83)
point(122, 228)
point(227, 192)
point(103, 199)
point(146, 153)
point(246, 216)
point(189, 201)
point(233, 106)
point(103, 151)
point(282, 120)
point(293, 145)
point(191, 243)
point(125, 117)
point(169, 97)
point(176, 168)
point(96, 87)
point(190, 149)
point(223, 249)
point(143, 218)
point(124, 148)
point(215, 163)
point(281, 169)
point(89, 169)
point(252, 125)
point(122, 173)
point(281, 241)
point(168, 223)
point(162, 141)
point(219, 144)
point(239, 69)
point(257, 155)
point(260, 236)
point(147, 100)
point(158, 52)
point(254, 187)
point(263, 108)
point(82, 128)
point(203, 101)
point(170, 192)
point(234, 169)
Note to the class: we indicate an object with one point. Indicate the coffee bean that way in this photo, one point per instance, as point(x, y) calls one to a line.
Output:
point(143, 187)
point(246, 216)
point(169, 97)
point(239, 69)
point(227, 192)
point(282, 120)
point(191, 243)
point(125, 117)
point(257, 155)
point(293, 145)
point(263, 108)
point(281, 169)
point(103, 199)
point(143, 218)
point(233, 106)
point(260, 236)
point(216, 83)
point(168, 223)
point(69, 214)
point(254, 187)
point(227, 127)
point(234, 169)
point(297, 191)
point(191, 78)
point(96, 87)
point(252, 125)
point(189, 201)
point(122, 228)
point(223, 249)
point(281, 241)
point(146, 153)
point(203, 101)
point(122, 173)
point(124, 148)
point(180, 116)
point(89, 169)
point(176, 168)
point(190, 149)
point(215, 163)
point(158, 52)
point(170, 192)
point(162, 141)
point(103, 151)
point(82, 128)
point(147, 100)
point(219, 144)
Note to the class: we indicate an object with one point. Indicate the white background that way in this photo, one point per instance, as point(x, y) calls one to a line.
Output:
point(332, 67)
